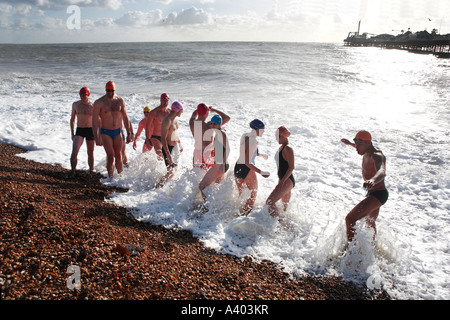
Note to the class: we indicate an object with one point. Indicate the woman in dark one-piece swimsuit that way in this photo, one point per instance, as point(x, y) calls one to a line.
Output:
point(285, 163)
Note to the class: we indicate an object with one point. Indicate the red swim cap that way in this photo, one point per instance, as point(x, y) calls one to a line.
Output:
point(110, 85)
point(364, 135)
point(284, 132)
point(86, 91)
point(202, 109)
point(164, 95)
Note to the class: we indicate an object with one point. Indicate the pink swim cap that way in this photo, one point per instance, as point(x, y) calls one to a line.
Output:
point(176, 106)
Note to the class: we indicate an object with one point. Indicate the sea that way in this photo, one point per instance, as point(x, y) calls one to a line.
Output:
point(322, 92)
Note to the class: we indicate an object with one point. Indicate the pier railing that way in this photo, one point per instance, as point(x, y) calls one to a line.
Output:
point(422, 42)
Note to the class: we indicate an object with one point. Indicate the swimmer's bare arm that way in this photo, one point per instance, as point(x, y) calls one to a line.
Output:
point(192, 121)
point(249, 164)
point(148, 132)
point(380, 166)
point(72, 119)
point(223, 115)
point(130, 137)
point(264, 156)
point(97, 123)
point(138, 132)
point(149, 126)
point(347, 142)
point(226, 147)
point(127, 123)
point(165, 125)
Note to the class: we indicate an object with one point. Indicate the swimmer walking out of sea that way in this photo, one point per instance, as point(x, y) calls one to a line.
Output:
point(148, 146)
point(245, 169)
point(170, 139)
point(203, 148)
point(82, 110)
point(373, 172)
point(154, 122)
point(221, 151)
point(285, 163)
point(109, 113)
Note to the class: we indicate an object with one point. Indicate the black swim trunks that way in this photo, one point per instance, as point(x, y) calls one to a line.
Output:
point(241, 170)
point(85, 133)
point(381, 195)
point(165, 157)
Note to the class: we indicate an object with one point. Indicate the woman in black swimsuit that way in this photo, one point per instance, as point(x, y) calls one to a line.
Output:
point(221, 151)
point(285, 163)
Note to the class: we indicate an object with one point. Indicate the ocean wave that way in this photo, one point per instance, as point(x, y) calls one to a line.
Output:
point(322, 92)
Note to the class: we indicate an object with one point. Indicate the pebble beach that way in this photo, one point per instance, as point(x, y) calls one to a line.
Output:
point(51, 223)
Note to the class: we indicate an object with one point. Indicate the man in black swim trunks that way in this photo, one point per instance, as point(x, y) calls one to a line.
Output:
point(82, 110)
point(170, 139)
point(373, 172)
point(154, 122)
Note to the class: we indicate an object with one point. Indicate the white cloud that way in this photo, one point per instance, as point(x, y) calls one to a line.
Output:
point(140, 19)
point(100, 23)
point(62, 4)
point(163, 1)
point(45, 24)
point(49, 24)
point(274, 20)
point(188, 17)
point(22, 10)
point(5, 8)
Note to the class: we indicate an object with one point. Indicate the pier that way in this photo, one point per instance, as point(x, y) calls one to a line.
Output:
point(418, 42)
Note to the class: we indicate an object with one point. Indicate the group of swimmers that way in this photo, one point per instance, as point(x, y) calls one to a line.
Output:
point(102, 123)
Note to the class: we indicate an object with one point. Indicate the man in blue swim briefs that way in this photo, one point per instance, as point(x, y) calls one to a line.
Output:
point(82, 110)
point(373, 172)
point(109, 114)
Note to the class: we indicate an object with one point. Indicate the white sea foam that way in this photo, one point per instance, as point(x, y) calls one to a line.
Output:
point(400, 97)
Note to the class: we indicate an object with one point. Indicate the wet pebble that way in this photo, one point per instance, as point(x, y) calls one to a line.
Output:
point(50, 222)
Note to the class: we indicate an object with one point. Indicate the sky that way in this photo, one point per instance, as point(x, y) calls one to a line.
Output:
point(74, 21)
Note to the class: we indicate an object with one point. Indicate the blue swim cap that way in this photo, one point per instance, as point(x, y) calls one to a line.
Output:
point(217, 119)
point(257, 124)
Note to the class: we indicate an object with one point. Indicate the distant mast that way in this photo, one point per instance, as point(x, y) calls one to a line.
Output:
point(359, 25)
